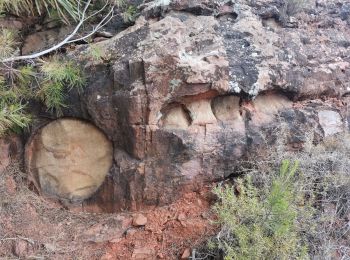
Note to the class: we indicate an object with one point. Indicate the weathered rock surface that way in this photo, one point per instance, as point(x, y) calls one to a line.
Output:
point(69, 159)
point(197, 85)
point(186, 254)
point(139, 220)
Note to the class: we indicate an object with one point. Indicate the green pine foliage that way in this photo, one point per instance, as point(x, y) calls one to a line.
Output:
point(59, 76)
point(66, 9)
point(48, 81)
point(59, 70)
point(261, 223)
point(12, 117)
point(129, 15)
point(52, 94)
point(7, 43)
point(12, 111)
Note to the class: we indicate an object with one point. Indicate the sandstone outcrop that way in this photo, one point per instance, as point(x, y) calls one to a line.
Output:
point(69, 159)
point(195, 86)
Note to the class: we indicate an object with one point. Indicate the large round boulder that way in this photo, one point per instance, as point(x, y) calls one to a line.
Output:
point(69, 159)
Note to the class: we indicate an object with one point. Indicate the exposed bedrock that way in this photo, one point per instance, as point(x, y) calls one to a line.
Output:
point(193, 88)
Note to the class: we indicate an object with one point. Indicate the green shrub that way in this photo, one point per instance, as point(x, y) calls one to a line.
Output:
point(311, 207)
point(261, 223)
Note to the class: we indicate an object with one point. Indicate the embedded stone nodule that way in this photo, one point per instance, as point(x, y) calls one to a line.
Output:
point(69, 159)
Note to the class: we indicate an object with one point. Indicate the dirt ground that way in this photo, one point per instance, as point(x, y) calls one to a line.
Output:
point(32, 227)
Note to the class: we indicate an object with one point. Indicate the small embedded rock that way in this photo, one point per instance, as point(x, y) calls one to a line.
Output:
point(10, 185)
point(181, 217)
point(130, 232)
point(100, 39)
point(20, 248)
point(186, 254)
point(143, 253)
point(139, 220)
point(205, 215)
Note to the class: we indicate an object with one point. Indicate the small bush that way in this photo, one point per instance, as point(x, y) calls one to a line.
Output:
point(261, 223)
point(264, 213)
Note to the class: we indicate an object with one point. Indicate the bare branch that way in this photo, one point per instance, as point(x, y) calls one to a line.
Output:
point(102, 23)
point(69, 38)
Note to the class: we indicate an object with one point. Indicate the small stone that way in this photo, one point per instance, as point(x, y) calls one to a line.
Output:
point(105, 34)
point(181, 217)
point(205, 215)
point(130, 232)
point(139, 220)
point(50, 247)
point(20, 248)
point(143, 253)
point(99, 39)
point(10, 185)
point(186, 254)
point(115, 240)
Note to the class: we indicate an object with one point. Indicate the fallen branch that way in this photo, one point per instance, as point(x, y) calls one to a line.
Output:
point(69, 38)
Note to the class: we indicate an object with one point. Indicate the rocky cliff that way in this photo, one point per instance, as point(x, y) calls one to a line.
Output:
point(196, 86)
point(173, 104)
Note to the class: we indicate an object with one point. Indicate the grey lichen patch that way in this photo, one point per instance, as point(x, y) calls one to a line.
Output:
point(331, 122)
point(243, 65)
point(173, 84)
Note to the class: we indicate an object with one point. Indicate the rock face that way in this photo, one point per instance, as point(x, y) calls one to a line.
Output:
point(69, 159)
point(197, 85)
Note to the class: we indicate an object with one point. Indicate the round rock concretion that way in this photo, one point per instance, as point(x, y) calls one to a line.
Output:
point(69, 158)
